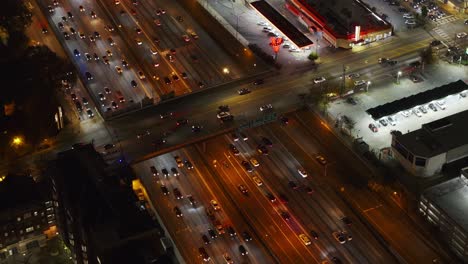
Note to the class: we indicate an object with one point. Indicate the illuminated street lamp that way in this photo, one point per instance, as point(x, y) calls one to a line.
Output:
point(367, 87)
point(225, 70)
point(17, 141)
point(398, 77)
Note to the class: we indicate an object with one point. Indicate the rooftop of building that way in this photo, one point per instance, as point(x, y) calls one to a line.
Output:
point(342, 16)
point(452, 198)
point(19, 192)
point(437, 137)
point(282, 24)
point(102, 201)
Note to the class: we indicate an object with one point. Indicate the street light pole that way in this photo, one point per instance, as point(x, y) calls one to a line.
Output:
point(398, 77)
point(367, 87)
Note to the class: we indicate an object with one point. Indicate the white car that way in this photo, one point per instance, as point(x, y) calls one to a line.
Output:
point(461, 35)
point(359, 83)
point(266, 107)
point(302, 172)
point(223, 115)
point(319, 80)
point(405, 113)
point(153, 51)
point(417, 112)
point(410, 22)
point(441, 104)
point(408, 16)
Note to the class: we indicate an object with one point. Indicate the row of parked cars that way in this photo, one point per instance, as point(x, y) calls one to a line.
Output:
point(417, 111)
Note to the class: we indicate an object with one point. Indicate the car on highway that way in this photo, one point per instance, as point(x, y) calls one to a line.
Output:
point(178, 212)
point(261, 149)
point(293, 185)
point(212, 233)
point(305, 239)
point(302, 172)
point(257, 181)
point(234, 150)
point(90, 113)
point(138, 41)
point(192, 201)
point(258, 82)
point(243, 251)
point(308, 190)
point(346, 220)
point(196, 128)
point(219, 227)
point(89, 76)
point(227, 258)
point(285, 215)
point(339, 237)
point(215, 205)
point(266, 107)
point(179, 162)
point(183, 121)
point(246, 236)
point(234, 137)
point(284, 120)
point(320, 159)
point(373, 128)
point(319, 80)
point(114, 105)
point(118, 70)
point(165, 172)
point(206, 240)
point(186, 38)
point(254, 162)
point(93, 14)
point(188, 164)
point(244, 91)
point(270, 197)
point(243, 189)
point(246, 166)
point(314, 234)
point(178, 194)
point(203, 254)
point(267, 142)
point(174, 172)
point(231, 231)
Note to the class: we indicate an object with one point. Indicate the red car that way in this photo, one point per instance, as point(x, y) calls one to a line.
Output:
point(373, 128)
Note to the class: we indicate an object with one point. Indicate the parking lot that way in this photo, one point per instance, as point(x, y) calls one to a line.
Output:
point(385, 92)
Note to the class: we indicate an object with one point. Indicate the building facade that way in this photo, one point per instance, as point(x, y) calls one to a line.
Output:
point(445, 206)
point(27, 216)
point(425, 152)
point(354, 23)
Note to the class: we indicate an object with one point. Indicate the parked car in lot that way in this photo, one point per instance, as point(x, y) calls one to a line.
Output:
point(373, 128)
point(423, 109)
point(432, 107)
point(391, 121)
point(383, 122)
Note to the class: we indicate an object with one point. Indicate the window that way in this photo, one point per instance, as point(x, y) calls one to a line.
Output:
point(6, 234)
point(83, 247)
point(35, 213)
point(410, 157)
point(420, 162)
point(29, 229)
point(18, 219)
point(26, 215)
point(21, 231)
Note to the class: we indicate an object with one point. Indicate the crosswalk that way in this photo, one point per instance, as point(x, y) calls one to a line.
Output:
point(445, 20)
point(444, 37)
